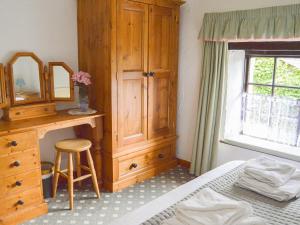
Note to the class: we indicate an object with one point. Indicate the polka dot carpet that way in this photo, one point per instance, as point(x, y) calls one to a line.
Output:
point(90, 210)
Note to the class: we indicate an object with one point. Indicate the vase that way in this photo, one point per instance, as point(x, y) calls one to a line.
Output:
point(83, 99)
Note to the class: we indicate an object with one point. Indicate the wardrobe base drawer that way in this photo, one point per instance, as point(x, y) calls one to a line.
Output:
point(133, 163)
point(21, 201)
point(139, 177)
point(24, 215)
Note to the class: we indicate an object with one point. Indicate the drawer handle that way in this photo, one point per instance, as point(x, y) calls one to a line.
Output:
point(20, 202)
point(13, 143)
point(18, 183)
point(133, 166)
point(16, 164)
point(161, 156)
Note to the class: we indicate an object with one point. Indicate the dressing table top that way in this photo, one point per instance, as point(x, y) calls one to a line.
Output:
point(44, 124)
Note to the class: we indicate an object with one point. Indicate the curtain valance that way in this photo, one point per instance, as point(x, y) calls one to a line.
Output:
point(274, 23)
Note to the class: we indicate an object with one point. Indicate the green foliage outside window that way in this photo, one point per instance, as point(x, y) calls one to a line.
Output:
point(287, 74)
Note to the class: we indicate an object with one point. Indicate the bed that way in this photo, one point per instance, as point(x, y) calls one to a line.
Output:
point(221, 180)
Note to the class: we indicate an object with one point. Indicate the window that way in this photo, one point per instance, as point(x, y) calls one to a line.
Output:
point(262, 108)
point(271, 100)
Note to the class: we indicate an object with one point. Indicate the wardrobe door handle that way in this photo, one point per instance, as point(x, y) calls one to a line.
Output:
point(18, 183)
point(145, 74)
point(161, 156)
point(151, 74)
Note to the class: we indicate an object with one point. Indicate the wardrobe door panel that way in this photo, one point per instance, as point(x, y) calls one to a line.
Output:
point(132, 51)
point(160, 65)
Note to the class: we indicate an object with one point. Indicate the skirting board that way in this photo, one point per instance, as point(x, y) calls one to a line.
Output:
point(184, 163)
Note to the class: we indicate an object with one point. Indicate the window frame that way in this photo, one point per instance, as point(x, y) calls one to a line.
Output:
point(271, 54)
point(244, 142)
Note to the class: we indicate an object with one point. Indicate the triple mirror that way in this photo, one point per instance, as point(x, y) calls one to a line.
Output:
point(62, 86)
point(30, 83)
point(27, 83)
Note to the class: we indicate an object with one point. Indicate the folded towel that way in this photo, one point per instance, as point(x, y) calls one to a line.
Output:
point(286, 192)
point(270, 171)
point(211, 208)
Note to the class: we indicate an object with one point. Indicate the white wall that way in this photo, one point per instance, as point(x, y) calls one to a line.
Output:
point(190, 66)
point(49, 29)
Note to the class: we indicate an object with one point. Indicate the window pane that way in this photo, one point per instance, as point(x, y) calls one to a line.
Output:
point(261, 70)
point(287, 92)
point(261, 90)
point(288, 71)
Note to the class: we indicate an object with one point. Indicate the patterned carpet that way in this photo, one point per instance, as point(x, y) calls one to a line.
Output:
point(89, 210)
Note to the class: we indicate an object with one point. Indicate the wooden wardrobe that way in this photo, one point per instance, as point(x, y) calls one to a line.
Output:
point(130, 47)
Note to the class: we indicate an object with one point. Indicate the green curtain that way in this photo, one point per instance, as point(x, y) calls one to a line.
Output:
point(214, 71)
point(273, 23)
point(268, 24)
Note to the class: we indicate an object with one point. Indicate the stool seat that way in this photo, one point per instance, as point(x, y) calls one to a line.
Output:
point(70, 147)
point(73, 145)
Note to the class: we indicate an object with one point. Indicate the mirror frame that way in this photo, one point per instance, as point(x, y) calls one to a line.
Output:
point(11, 78)
point(3, 100)
point(51, 77)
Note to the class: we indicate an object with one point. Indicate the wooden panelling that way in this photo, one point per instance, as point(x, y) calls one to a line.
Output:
point(132, 53)
point(160, 62)
point(18, 142)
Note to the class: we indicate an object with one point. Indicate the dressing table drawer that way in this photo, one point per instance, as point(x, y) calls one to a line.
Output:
point(18, 142)
point(18, 183)
point(20, 201)
point(19, 163)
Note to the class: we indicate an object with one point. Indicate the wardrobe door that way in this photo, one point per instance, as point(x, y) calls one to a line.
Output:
point(132, 54)
point(161, 41)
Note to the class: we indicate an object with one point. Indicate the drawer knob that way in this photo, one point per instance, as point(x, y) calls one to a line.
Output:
point(18, 183)
point(16, 164)
point(161, 156)
point(13, 143)
point(20, 202)
point(133, 166)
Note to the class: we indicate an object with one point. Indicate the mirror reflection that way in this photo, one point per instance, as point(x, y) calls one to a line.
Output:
point(61, 82)
point(26, 76)
point(2, 87)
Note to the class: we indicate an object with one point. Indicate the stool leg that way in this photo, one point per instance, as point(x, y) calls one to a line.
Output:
point(78, 168)
point(70, 179)
point(56, 174)
point(93, 172)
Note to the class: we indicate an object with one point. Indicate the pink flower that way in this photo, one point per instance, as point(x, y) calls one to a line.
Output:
point(82, 78)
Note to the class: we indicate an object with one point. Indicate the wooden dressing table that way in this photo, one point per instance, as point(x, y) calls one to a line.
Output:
point(20, 177)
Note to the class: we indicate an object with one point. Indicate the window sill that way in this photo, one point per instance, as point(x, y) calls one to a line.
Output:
point(255, 144)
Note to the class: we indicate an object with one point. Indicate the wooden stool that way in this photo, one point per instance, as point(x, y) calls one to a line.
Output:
point(71, 146)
